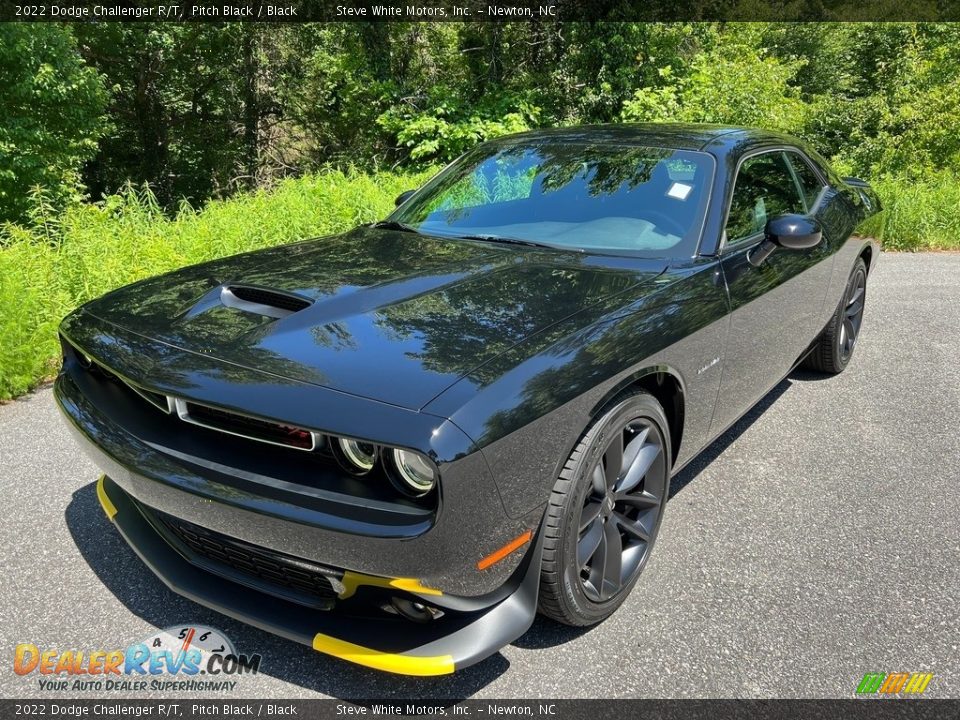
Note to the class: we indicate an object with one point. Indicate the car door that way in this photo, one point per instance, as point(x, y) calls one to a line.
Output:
point(776, 306)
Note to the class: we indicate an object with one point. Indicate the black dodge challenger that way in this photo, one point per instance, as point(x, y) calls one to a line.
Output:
point(396, 444)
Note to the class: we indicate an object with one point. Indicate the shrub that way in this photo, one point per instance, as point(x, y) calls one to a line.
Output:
point(918, 215)
point(447, 130)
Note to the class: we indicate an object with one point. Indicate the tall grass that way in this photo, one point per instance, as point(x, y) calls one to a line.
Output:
point(60, 263)
point(922, 215)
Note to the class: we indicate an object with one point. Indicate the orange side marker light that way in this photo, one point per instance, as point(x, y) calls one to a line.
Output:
point(498, 555)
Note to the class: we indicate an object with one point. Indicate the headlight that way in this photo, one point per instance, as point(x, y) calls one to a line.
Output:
point(414, 474)
point(359, 457)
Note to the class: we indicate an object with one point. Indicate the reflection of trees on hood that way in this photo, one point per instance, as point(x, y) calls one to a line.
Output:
point(470, 323)
point(158, 364)
point(454, 305)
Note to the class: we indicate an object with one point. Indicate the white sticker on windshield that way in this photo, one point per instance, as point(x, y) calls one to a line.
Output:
point(679, 191)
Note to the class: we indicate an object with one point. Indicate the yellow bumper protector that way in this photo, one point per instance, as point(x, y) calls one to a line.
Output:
point(388, 662)
point(352, 580)
point(108, 507)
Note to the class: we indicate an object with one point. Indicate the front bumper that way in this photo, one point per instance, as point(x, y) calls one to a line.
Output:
point(277, 502)
point(160, 468)
point(391, 644)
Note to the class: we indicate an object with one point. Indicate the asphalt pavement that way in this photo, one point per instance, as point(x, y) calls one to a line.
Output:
point(818, 540)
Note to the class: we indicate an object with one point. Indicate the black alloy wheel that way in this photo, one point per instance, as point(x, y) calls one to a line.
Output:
point(619, 514)
point(605, 512)
point(833, 349)
point(854, 302)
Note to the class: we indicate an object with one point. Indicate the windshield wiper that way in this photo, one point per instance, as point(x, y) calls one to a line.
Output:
point(509, 241)
point(394, 225)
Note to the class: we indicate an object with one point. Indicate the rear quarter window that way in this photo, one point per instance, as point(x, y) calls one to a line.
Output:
point(810, 183)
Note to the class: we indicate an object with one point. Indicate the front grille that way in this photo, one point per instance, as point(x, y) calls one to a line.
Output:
point(276, 573)
point(221, 420)
point(248, 427)
point(251, 428)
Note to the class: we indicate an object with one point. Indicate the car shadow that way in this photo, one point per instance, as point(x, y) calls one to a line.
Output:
point(545, 633)
point(714, 450)
point(124, 575)
point(810, 376)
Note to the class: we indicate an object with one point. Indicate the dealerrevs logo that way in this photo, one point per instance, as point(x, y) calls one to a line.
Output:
point(188, 658)
point(894, 683)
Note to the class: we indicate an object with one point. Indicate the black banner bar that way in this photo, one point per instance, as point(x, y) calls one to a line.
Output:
point(476, 10)
point(187, 709)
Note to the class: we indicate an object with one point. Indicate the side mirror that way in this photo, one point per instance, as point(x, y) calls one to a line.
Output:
point(790, 232)
point(794, 232)
point(403, 197)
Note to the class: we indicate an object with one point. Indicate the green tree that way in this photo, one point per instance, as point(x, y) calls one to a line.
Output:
point(192, 105)
point(336, 83)
point(915, 121)
point(51, 115)
point(737, 81)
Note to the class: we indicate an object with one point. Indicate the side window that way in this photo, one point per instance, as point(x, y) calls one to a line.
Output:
point(764, 188)
point(810, 184)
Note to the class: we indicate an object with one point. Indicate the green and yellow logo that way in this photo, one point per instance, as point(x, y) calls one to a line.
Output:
point(894, 683)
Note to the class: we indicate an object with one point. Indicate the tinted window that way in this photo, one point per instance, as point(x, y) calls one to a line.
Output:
point(810, 184)
point(764, 189)
point(648, 201)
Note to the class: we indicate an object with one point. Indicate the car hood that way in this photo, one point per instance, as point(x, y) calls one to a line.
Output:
point(393, 316)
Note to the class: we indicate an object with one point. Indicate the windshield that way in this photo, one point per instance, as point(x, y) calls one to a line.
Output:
point(592, 197)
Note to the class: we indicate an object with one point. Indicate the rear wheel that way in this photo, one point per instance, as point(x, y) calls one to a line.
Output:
point(834, 347)
point(605, 512)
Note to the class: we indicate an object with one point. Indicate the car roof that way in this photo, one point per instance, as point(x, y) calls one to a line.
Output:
point(680, 136)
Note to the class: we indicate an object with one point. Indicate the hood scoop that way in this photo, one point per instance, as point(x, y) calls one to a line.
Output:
point(262, 301)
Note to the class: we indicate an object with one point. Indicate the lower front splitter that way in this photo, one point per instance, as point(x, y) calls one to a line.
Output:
point(391, 644)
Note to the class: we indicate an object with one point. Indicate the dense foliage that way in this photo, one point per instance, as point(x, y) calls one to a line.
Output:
point(203, 110)
point(51, 114)
point(200, 112)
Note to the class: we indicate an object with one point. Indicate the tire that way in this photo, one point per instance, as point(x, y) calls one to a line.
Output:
point(833, 349)
point(592, 487)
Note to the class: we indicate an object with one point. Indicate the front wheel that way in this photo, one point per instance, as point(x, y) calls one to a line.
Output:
point(605, 511)
point(833, 349)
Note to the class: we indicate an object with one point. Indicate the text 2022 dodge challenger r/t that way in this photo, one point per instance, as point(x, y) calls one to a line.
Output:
point(396, 444)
